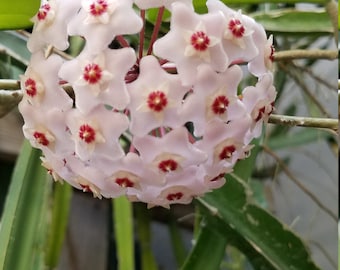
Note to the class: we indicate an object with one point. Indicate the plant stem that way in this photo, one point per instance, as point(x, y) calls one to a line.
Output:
point(304, 121)
point(332, 10)
point(141, 36)
point(156, 29)
point(306, 54)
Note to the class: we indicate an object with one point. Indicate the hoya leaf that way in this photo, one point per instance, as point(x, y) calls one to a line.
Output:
point(266, 236)
point(208, 251)
point(299, 138)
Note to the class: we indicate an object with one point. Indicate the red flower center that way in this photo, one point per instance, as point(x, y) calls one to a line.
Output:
point(87, 133)
point(92, 73)
point(30, 87)
point(174, 196)
point(220, 104)
point(43, 11)
point(168, 165)
point(98, 7)
point(157, 101)
point(236, 28)
point(200, 41)
point(124, 182)
point(41, 138)
point(227, 152)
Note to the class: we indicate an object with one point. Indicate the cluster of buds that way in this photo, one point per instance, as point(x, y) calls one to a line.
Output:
point(162, 125)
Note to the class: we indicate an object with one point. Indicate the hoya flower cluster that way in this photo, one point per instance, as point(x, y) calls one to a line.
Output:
point(160, 126)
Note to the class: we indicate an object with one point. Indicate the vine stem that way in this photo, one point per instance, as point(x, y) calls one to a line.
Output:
point(156, 29)
point(304, 121)
point(332, 9)
point(303, 54)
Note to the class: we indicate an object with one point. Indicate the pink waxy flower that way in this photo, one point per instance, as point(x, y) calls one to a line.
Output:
point(96, 135)
point(193, 40)
point(180, 188)
point(263, 62)
point(238, 41)
point(158, 130)
point(46, 129)
point(50, 24)
point(105, 19)
point(40, 85)
point(216, 94)
point(224, 143)
point(169, 154)
point(259, 101)
point(155, 98)
point(99, 79)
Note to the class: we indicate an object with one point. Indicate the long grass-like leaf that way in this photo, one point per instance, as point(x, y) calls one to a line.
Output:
point(143, 219)
point(21, 228)
point(123, 227)
point(57, 229)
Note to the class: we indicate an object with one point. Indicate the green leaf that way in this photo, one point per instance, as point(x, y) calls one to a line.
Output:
point(23, 221)
point(123, 227)
point(143, 228)
point(294, 139)
point(269, 238)
point(208, 251)
point(200, 256)
point(57, 228)
point(178, 246)
point(16, 14)
point(235, 239)
point(295, 22)
point(266, 242)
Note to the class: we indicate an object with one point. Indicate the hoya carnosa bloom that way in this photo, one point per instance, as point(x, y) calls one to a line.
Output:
point(99, 21)
point(193, 40)
point(162, 125)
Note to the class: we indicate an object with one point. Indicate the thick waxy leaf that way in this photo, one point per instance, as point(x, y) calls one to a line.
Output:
point(57, 229)
point(267, 243)
point(209, 250)
point(272, 240)
point(16, 14)
point(295, 22)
